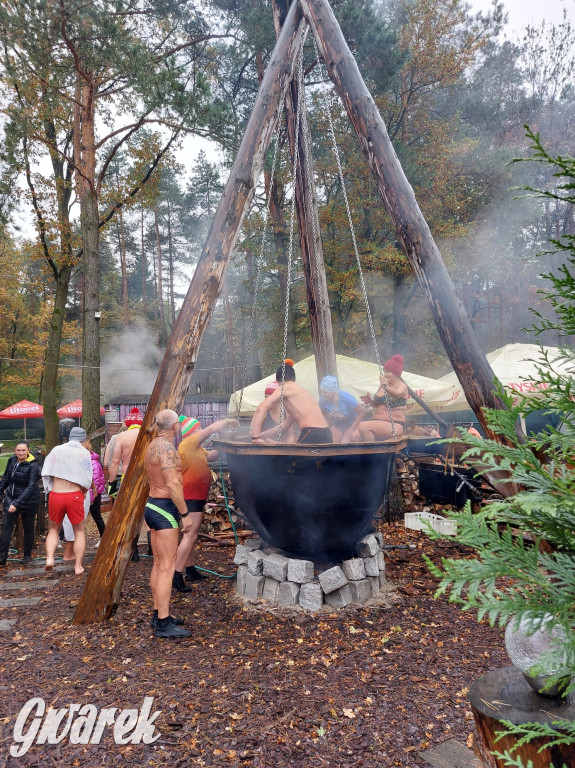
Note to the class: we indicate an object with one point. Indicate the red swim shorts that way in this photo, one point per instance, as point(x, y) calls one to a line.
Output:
point(71, 504)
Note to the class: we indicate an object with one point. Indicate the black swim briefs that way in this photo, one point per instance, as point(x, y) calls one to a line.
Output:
point(161, 513)
point(315, 435)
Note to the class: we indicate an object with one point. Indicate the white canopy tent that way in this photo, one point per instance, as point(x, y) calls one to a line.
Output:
point(355, 376)
point(517, 368)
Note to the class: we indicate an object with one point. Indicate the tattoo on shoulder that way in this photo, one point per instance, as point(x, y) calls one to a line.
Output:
point(168, 456)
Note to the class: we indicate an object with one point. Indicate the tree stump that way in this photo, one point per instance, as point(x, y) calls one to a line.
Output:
point(504, 694)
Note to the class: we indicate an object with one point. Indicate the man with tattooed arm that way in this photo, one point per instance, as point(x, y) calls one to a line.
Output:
point(164, 508)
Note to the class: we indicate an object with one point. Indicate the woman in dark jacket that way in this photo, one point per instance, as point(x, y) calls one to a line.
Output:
point(19, 483)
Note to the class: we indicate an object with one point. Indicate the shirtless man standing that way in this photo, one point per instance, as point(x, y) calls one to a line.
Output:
point(164, 508)
point(125, 442)
point(300, 407)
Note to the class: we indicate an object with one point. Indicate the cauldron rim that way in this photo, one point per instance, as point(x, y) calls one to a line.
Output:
point(310, 449)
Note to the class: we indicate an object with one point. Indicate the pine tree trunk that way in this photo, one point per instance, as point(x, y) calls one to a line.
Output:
point(161, 316)
point(124, 270)
point(89, 220)
point(144, 271)
point(48, 394)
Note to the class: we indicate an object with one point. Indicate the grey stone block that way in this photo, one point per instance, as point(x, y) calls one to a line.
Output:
point(379, 536)
point(360, 590)
point(241, 579)
point(368, 546)
point(39, 584)
point(241, 556)
point(253, 544)
point(7, 624)
point(270, 590)
point(16, 602)
point(300, 571)
point(332, 579)
point(256, 563)
point(254, 586)
point(381, 579)
point(374, 583)
point(288, 593)
point(371, 566)
point(353, 569)
point(340, 597)
point(311, 596)
point(276, 566)
point(381, 561)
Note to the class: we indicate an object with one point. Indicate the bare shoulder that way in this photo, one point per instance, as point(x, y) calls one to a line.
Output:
point(162, 452)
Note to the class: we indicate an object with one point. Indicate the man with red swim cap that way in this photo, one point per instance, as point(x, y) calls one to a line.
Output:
point(197, 478)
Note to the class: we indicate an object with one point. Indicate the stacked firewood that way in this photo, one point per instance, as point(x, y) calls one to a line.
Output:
point(408, 478)
point(216, 523)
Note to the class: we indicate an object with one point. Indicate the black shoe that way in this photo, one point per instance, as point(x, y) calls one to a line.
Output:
point(179, 583)
point(172, 631)
point(136, 556)
point(27, 559)
point(192, 574)
point(173, 619)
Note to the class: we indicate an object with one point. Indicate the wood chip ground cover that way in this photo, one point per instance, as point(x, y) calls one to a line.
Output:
point(364, 687)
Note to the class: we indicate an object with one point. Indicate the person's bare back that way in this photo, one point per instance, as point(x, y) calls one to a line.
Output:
point(300, 407)
point(160, 457)
point(123, 450)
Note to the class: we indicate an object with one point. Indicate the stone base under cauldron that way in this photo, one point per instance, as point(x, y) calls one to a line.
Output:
point(265, 574)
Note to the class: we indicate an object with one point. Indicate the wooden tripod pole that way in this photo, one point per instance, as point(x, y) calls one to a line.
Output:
point(308, 223)
point(101, 594)
point(465, 354)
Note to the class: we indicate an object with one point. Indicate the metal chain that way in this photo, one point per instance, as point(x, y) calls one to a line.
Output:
point(259, 265)
point(355, 248)
point(309, 171)
point(291, 234)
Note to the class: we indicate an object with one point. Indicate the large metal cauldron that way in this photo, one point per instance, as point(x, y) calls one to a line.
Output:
point(311, 501)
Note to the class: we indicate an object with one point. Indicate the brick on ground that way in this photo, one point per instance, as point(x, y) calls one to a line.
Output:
point(339, 598)
point(360, 590)
point(241, 579)
point(254, 586)
point(371, 566)
point(353, 569)
point(300, 571)
point(288, 593)
point(270, 590)
point(256, 563)
point(311, 596)
point(276, 566)
point(332, 579)
point(368, 546)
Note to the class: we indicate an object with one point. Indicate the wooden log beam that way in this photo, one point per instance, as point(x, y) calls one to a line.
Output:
point(101, 594)
point(465, 354)
point(308, 223)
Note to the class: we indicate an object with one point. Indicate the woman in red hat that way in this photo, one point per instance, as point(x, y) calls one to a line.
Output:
point(389, 405)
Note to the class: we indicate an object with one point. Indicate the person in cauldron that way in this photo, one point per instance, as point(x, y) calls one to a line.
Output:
point(300, 407)
point(19, 484)
point(389, 406)
point(342, 411)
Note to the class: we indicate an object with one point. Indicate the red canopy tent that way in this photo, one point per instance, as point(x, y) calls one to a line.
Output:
point(23, 410)
point(74, 410)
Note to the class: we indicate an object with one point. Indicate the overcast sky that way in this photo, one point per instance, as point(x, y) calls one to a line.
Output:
point(524, 12)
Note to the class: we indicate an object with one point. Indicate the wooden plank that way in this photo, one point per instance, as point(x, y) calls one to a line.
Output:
point(451, 754)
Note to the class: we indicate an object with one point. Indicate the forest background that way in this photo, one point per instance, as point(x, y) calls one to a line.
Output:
point(99, 102)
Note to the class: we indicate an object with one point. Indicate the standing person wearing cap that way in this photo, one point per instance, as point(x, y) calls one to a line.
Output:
point(125, 442)
point(197, 478)
point(164, 509)
point(389, 405)
point(342, 411)
point(123, 448)
point(67, 477)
